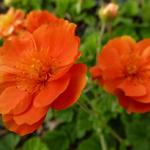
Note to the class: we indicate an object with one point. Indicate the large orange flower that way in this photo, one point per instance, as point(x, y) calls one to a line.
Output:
point(38, 72)
point(123, 69)
point(11, 22)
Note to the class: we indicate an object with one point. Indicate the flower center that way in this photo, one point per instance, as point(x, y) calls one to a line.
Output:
point(131, 69)
point(34, 74)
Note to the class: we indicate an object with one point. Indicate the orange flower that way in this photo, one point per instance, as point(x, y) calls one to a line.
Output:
point(37, 18)
point(10, 22)
point(123, 69)
point(38, 72)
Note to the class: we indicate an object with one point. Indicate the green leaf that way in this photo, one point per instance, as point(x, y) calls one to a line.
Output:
point(89, 45)
point(61, 7)
point(83, 123)
point(34, 144)
point(56, 140)
point(88, 4)
point(146, 11)
point(69, 129)
point(130, 8)
point(9, 142)
point(125, 30)
point(91, 143)
point(1, 42)
point(145, 32)
point(65, 115)
point(137, 130)
point(49, 115)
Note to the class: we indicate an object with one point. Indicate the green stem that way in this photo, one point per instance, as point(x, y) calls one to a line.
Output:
point(102, 30)
point(86, 109)
point(109, 29)
point(103, 142)
point(91, 112)
point(114, 134)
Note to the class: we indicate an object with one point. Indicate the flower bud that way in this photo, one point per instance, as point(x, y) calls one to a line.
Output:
point(109, 11)
point(7, 2)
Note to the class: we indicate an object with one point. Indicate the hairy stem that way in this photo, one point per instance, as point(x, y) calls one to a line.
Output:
point(94, 114)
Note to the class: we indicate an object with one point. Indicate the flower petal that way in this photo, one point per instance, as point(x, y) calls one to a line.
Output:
point(22, 106)
point(31, 116)
point(96, 72)
point(146, 97)
point(58, 40)
point(111, 68)
point(111, 85)
point(37, 18)
point(133, 106)
point(50, 92)
point(15, 47)
point(132, 88)
point(76, 85)
point(10, 97)
point(118, 48)
point(20, 129)
point(142, 45)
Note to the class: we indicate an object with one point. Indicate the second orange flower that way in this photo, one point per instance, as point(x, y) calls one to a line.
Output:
point(123, 68)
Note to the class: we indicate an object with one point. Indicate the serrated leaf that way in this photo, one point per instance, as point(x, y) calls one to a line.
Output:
point(34, 144)
point(89, 144)
point(56, 140)
point(9, 142)
point(83, 123)
point(65, 115)
point(130, 8)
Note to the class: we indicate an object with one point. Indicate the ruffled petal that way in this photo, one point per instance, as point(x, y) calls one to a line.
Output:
point(10, 97)
point(50, 92)
point(142, 46)
point(15, 47)
point(110, 63)
point(96, 72)
point(31, 116)
point(132, 88)
point(118, 47)
point(37, 18)
point(58, 42)
point(133, 106)
point(146, 97)
point(75, 87)
point(22, 106)
point(20, 129)
point(111, 85)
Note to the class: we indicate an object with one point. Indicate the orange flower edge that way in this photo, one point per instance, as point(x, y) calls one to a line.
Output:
point(37, 18)
point(38, 72)
point(123, 70)
point(11, 22)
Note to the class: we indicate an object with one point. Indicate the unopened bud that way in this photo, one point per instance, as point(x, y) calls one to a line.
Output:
point(7, 2)
point(109, 11)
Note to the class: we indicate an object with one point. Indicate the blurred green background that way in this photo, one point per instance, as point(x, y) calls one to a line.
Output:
point(99, 123)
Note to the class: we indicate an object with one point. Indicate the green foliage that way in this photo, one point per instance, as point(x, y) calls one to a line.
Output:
point(83, 124)
point(1, 42)
point(75, 129)
point(9, 142)
point(56, 140)
point(130, 8)
point(89, 144)
point(137, 130)
point(65, 115)
point(145, 11)
point(34, 144)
